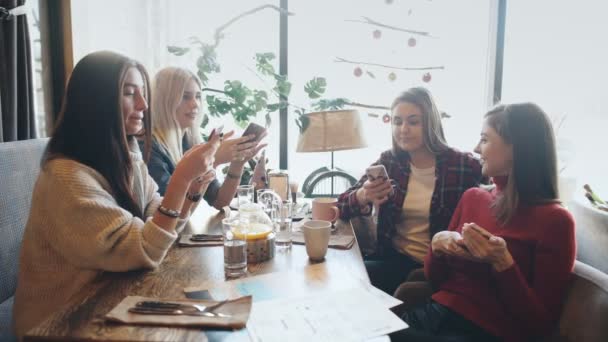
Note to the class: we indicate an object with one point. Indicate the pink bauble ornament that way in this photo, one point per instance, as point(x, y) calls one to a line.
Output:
point(377, 34)
point(358, 72)
point(386, 118)
point(411, 42)
point(426, 77)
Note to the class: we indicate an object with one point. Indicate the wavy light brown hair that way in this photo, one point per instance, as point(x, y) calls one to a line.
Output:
point(433, 137)
point(533, 177)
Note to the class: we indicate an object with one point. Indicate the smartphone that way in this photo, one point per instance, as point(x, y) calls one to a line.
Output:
point(482, 233)
point(218, 130)
point(375, 172)
point(254, 129)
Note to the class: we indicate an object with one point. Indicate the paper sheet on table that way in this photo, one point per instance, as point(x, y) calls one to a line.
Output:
point(345, 315)
point(315, 278)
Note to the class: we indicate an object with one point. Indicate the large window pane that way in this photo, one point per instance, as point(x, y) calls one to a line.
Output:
point(319, 32)
point(555, 56)
point(142, 29)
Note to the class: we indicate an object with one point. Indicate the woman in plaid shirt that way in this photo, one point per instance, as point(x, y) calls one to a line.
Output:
point(427, 178)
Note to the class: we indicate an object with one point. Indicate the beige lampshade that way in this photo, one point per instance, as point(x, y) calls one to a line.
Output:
point(332, 131)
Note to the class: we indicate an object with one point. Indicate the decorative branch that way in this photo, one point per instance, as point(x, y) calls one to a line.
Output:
point(342, 60)
point(213, 90)
point(218, 32)
point(369, 21)
point(362, 105)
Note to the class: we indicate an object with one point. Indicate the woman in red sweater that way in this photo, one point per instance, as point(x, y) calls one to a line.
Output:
point(502, 268)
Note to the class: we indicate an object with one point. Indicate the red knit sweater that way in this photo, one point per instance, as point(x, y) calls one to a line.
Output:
point(524, 301)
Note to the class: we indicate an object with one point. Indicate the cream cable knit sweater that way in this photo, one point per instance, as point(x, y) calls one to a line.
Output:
point(76, 230)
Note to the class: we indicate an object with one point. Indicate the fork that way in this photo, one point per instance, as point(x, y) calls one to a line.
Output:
point(169, 308)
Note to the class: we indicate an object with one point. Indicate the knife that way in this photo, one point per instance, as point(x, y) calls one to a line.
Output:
point(174, 312)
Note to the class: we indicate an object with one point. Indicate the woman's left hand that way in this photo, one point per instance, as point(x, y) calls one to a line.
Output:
point(486, 247)
point(238, 150)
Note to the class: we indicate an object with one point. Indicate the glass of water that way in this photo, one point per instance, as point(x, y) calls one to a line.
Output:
point(282, 220)
point(244, 194)
point(235, 247)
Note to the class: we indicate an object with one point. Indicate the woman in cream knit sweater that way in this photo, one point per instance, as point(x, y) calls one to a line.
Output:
point(94, 206)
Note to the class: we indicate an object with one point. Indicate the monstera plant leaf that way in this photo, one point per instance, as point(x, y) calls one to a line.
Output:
point(315, 87)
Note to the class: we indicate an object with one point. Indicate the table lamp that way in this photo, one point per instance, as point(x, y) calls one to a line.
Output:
point(331, 131)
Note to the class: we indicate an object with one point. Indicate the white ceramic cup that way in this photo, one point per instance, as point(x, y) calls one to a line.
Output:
point(316, 238)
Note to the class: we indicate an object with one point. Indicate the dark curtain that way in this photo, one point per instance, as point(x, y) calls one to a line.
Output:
point(17, 111)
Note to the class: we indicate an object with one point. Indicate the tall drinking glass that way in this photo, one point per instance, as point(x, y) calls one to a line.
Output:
point(244, 194)
point(235, 247)
point(282, 221)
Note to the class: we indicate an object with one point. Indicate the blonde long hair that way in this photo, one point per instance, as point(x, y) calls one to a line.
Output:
point(169, 85)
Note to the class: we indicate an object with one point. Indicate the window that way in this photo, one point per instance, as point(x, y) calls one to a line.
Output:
point(560, 63)
point(143, 30)
point(322, 31)
point(319, 32)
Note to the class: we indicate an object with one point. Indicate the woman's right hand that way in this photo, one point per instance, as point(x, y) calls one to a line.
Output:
point(449, 243)
point(376, 191)
point(198, 160)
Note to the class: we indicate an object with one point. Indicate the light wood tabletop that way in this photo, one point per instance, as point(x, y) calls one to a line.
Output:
point(83, 317)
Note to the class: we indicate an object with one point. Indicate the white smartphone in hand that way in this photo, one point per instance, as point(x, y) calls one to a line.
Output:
point(376, 171)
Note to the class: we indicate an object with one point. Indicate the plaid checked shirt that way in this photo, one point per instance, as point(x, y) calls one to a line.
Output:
point(455, 172)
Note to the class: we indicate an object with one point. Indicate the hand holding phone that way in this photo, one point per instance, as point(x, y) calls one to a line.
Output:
point(255, 130)
point(219, 130)
point(379, 192)
point(375, 172)
point(479, 230)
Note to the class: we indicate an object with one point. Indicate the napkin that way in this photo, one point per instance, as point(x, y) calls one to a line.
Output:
point(335, 241)
point(238, 309)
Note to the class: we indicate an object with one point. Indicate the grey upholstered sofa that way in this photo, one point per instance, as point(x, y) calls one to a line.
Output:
point(584, 316)
point(19, 168)
point(591, 232)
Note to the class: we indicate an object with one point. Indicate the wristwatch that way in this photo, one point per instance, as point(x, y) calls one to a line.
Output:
point(194, 197)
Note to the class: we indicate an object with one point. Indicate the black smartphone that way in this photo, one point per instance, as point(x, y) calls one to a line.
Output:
point(254, 129)
point(219, 130)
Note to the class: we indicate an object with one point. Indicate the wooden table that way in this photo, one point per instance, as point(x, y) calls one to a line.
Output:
point(83, 317)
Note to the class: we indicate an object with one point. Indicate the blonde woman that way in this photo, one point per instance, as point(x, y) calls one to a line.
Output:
point(176, 120)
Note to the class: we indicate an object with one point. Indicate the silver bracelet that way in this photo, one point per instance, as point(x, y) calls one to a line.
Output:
point(168, 212)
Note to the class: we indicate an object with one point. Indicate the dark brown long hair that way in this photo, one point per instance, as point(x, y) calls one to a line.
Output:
point(90, 128)
point(533, 178)
point(433, 137)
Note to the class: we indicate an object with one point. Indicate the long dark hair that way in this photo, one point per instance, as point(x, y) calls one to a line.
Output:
point(90, 129)
point(433, 137)
point(533, 178)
